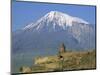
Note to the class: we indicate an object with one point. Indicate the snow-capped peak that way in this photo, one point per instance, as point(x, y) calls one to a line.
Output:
point(55, 18)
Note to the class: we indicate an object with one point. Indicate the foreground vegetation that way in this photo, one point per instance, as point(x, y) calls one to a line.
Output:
point(70, 60)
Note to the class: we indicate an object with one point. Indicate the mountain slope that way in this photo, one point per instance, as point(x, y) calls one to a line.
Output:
point(54, 20)
point(53, 29)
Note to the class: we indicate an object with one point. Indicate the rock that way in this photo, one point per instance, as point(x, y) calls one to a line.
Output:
point(25, 69)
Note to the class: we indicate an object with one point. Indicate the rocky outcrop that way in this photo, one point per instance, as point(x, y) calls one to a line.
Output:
point(48, 59)
point(25, 69)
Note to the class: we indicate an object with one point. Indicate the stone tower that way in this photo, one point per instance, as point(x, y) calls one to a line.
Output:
point(62, 48)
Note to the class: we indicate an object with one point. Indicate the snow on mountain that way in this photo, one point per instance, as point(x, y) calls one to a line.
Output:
point(55, 19)
point(53, 29)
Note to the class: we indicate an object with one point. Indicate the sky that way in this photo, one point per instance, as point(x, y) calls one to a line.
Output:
point(24, 13)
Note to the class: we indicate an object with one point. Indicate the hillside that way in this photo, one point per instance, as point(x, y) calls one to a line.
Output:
point(72, 60)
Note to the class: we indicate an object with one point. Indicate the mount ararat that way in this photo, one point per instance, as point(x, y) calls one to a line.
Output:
point(51, 30)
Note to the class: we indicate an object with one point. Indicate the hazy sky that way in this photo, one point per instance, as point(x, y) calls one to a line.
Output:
point(24, 13)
